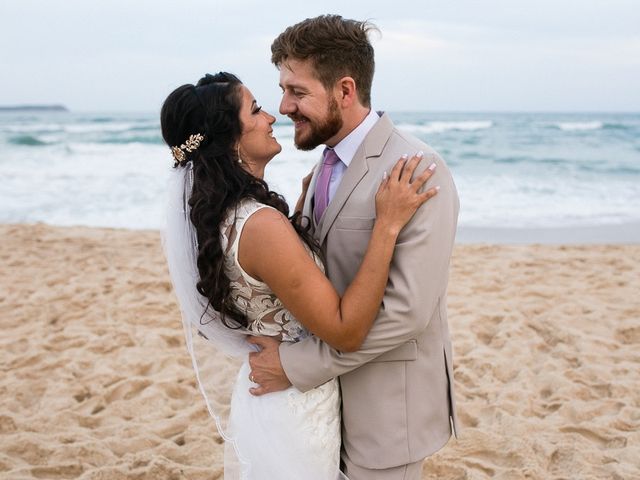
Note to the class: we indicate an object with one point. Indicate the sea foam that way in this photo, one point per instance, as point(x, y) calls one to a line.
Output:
point(511, 170)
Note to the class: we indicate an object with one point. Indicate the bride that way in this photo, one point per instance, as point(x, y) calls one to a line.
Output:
point(241, 267)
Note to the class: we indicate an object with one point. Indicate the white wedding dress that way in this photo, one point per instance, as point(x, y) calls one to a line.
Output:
point(283, 435)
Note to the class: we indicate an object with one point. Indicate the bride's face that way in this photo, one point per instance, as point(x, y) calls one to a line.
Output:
point(257, 145)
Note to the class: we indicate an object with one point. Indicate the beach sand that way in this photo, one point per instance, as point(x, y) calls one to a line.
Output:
point(97, 384)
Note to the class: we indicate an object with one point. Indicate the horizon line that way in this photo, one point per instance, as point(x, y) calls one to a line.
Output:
point(8, 108)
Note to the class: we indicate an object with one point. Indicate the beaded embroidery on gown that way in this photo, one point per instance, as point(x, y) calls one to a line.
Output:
point(283, 435)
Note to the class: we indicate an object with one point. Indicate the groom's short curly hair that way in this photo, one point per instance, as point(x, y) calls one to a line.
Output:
point(337, 47)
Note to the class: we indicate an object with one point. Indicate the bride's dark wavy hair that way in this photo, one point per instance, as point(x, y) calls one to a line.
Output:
point(212, 108)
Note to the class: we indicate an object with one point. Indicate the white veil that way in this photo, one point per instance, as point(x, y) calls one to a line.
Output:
point(218, 353)
point(214, 346)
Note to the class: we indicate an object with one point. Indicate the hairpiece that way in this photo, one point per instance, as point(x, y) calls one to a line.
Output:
point(192, 143)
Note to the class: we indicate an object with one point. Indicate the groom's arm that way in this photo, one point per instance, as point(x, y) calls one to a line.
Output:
point(417, 281)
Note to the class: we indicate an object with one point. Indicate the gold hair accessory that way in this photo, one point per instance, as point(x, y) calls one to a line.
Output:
point(192, 143)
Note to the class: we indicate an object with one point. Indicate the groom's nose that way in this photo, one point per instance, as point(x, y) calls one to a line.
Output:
point(287, 105)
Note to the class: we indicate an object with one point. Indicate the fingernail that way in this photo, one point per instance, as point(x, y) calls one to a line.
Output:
point(437, 187)
point(420, 154)
point(404, 156)
point(384, 175)
point(432, 167)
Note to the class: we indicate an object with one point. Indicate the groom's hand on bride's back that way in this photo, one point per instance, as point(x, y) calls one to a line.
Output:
point(266, 369)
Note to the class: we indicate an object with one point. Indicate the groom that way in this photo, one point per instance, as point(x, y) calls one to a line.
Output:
point(398, 405)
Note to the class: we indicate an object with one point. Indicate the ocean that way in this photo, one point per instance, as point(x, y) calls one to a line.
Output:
point(527, 172)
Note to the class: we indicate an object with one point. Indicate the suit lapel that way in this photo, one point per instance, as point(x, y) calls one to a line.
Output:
point(307, 209)
point(371, 147)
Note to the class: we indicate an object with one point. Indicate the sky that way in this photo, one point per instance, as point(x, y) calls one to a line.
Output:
point(455, 55)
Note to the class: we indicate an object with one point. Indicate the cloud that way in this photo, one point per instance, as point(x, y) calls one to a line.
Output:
point(445, 55)
point(409, 43)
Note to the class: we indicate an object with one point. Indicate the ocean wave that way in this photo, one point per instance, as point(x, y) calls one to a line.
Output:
point(617, 126)
point(590, 125)
point(79, 128)
point(27, 141)
point(150, 139)
point(510, 169)
point(579, 126)
point(99, 127)
point(154, 127)
point(513, 159)
point(552, 161)
point(624, 170)
point(441, 126)
point(471, 155)
point(35, 128)
point(101, 119)
point(527, 159)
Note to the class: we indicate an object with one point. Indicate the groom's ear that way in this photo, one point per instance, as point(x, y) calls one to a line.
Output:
point(347, 93)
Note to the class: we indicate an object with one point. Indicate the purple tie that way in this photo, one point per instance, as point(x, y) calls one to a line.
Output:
point(322, 184)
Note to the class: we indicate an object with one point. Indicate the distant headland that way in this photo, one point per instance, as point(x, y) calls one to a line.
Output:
point(34, 108)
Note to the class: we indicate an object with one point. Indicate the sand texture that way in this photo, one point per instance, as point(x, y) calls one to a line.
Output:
point(96, 382)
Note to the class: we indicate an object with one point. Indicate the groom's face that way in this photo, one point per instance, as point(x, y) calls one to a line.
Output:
point(314, 110)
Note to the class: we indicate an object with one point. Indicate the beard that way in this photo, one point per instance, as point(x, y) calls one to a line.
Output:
point(320, 131)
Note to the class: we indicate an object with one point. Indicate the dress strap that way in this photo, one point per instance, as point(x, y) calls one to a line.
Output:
point(243, 213)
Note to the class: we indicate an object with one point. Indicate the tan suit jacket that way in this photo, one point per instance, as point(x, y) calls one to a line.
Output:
point(398, 404)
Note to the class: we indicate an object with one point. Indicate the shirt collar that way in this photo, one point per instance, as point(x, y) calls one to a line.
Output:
point(347, 147)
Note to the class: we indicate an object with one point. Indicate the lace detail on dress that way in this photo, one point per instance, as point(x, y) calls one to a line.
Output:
point(265, 313)
point(286, 435)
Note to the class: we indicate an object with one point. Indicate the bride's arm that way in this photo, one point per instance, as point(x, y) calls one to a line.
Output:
point(271, 251)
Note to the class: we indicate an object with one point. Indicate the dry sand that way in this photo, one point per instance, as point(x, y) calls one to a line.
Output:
point(96, 382)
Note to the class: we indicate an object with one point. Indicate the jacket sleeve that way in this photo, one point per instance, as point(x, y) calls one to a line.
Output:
point(417, 280)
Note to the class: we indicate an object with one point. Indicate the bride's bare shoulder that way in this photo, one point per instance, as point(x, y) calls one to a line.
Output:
point(268, 242)
point(267, 228)
point(265, 219)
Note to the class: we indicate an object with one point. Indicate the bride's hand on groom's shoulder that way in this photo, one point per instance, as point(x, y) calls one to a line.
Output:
point(401, 192)
point(266, 369)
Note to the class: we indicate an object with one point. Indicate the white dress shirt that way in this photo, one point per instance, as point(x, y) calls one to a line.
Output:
point(347, 148)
